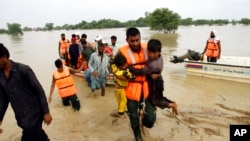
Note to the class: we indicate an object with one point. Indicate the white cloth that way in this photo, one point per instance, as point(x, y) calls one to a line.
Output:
point(216, 37)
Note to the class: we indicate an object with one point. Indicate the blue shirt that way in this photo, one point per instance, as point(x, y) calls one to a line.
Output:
point(98, 64)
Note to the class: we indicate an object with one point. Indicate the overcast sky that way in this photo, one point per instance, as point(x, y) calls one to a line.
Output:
point(36, 13)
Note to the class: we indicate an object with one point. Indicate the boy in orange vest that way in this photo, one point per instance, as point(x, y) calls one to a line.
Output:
point(65, 84)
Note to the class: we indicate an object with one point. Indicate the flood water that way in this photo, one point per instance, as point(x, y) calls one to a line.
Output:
point(39, 50)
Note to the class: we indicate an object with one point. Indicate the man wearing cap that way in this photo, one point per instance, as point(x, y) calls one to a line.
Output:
point(98, 40)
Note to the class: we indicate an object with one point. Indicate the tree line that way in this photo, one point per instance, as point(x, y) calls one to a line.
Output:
point(162, 20)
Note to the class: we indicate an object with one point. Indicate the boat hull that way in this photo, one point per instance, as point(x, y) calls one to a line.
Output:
point(229, 68)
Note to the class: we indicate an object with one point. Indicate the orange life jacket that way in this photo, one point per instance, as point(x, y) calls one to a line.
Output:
point(212, 48)
point(139, 85)
point(64, 83)
point(64, 45)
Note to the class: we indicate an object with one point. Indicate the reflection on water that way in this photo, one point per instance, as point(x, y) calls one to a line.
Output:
point(167, 40)
point(169, 43)
point(16, 41)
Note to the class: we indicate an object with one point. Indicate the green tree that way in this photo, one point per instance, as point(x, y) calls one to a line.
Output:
point(3, 31)
point(164, 20)
point(82, 25)
point(27, 28)
point(234, 22)
point(130, 23)
point(49, 26)
point(142, 22)
point(14, 29)
point(201, 22)
point(245, 21)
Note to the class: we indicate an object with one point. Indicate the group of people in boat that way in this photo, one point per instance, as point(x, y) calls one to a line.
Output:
point(77, 51)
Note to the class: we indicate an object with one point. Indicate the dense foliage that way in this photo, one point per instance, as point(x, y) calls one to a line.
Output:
point(14, 29)
point(164, 20)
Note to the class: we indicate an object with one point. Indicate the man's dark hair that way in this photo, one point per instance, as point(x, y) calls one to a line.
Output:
point(84, 35)
point(101, 45)
point(83, 42)
point(154, 45)
point(132, 31)
point(120, 60)
point(73, 35)
point(113, 37)
point(4, 51)
point(62, 34)
point(58, 63)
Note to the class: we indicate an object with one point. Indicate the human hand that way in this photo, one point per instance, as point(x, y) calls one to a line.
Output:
point(47, 118)
point(155, 76)
point(123, 78)
point(111, 61)
point(72, 71)
point(94, 73)
point(131, 69)
point(174, 108)
point(49, 99)
point(108, 76)
point(202, 57)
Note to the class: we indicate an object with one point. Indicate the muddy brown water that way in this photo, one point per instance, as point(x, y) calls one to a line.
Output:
point(206, 106)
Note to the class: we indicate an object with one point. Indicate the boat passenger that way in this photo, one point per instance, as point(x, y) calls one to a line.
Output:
point(113, 39)
point(86, 53)
point(74, 53)
point(84, 38)
point(63, 47)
